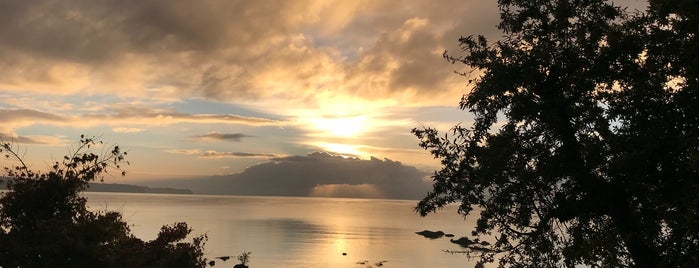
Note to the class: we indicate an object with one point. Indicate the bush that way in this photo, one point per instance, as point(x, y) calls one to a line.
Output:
point(45, 222)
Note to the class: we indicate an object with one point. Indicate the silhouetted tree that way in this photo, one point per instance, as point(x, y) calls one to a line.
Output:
point(45, 221)
point(585, 143)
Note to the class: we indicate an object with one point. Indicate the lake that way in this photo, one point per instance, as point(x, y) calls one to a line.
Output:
point(297, 231)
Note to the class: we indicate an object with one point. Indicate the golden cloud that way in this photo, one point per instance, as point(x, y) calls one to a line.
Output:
point(300, 51)
point(15, 118)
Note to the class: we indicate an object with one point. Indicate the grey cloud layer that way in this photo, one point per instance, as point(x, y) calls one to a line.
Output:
point(233, 49)
point(11, 118)
point(97, 31)
point(20, 140)
point(223, 136)
point(304, 175)
point(215, 154)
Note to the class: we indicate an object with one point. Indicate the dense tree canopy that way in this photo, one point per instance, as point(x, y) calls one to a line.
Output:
point(44, 221)
point(585, 143)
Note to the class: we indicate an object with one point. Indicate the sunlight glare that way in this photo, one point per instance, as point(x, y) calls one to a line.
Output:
point(340, 244)
point(345, 127)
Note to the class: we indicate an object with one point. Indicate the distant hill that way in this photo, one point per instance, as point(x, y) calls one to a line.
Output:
point(316, 175)
point(126, 188)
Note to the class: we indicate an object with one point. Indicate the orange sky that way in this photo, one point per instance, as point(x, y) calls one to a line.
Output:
point(213, 87)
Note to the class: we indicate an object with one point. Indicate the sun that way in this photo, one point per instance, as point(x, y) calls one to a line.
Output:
point(343, 127)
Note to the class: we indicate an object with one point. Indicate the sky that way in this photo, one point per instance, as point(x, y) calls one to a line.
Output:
point(210, 88)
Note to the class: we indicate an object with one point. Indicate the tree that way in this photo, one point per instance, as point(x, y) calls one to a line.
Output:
point(45, 221)
point(585, 143)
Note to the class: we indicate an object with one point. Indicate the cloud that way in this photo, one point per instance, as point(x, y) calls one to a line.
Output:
point(146, 115)
point(9, 116)
point(316, 174)
point(237, 137)
point(11, 119)
point(127, 130)
point(123, 115)
point(42, 140)
point(304, 51)
point(183, 151)
point(215, 154)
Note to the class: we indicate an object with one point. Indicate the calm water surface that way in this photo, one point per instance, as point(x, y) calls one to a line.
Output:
point(297, 231)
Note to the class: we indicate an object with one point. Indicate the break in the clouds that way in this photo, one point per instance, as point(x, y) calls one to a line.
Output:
point(237, 137)
point(317, 174)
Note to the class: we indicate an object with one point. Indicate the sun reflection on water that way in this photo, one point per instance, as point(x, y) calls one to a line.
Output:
point(340, 244)
point(299, 232)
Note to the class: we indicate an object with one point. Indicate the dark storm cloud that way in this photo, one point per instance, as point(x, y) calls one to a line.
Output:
point(307, 175)
point(237, 137)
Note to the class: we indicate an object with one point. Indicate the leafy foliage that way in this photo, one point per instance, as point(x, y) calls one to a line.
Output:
point(585, 142)
point(45, 221)
point(244, 258)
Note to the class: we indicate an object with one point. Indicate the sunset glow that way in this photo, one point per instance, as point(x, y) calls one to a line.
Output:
point(349, 133)
point(345, 127)
point(218, 87)
point(342, 149)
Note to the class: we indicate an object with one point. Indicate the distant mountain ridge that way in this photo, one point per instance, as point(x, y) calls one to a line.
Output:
point(316, 175)
point(126, 188)
point(129, 188)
